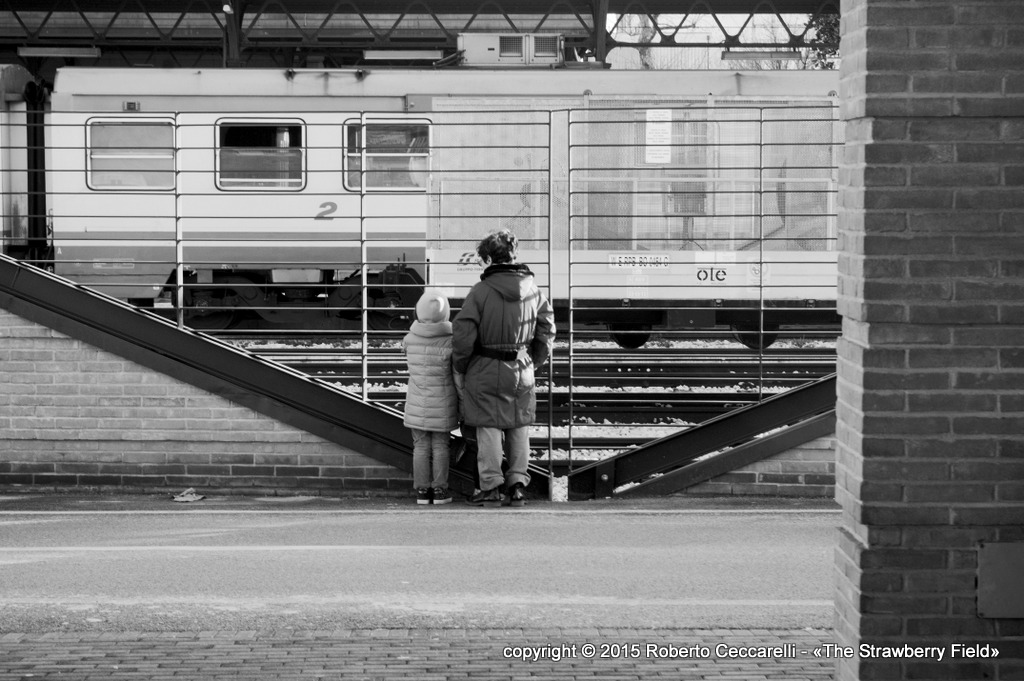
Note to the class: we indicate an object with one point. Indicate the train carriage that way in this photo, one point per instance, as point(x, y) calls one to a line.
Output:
point(644, 200)
point(674, 211)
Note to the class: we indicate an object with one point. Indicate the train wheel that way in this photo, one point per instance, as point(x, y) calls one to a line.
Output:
point(630, 336)
point(210, 321)
point(202, 314)
point(754, 339)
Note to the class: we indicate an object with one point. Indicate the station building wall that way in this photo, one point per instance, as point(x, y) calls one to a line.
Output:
point(72, 415)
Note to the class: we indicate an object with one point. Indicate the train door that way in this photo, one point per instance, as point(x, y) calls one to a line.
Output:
point(797, 208)
point(112, 183)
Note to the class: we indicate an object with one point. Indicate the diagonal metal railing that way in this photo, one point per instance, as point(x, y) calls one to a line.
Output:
point(810, 404)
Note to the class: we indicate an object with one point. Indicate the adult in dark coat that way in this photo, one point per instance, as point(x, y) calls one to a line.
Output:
point(506, 329)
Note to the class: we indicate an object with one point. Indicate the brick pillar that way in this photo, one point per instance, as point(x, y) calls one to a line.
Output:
point(930, 437)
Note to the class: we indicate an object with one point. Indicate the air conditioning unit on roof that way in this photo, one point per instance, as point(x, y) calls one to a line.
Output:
point(511, 49)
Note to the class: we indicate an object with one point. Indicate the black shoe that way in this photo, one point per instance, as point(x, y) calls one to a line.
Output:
point(490, 498)
point(423, 496)
point(441, 496)
point(516, 495)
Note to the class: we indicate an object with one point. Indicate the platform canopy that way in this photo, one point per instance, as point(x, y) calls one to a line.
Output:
point(44, 34)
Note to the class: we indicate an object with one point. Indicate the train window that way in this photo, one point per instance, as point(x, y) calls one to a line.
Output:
point(397, 156)
point(130, 155)
point(263, 155)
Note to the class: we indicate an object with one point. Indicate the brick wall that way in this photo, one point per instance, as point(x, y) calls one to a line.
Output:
point(74, 415)
point(930, 435)
point(804, 471)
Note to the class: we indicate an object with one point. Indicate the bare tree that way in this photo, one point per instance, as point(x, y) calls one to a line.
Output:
point(641, 29)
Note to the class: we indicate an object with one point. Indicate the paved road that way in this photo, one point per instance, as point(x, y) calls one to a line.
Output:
point(246, 577)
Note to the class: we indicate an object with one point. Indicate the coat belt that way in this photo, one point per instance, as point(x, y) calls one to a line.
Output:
point(503, 355)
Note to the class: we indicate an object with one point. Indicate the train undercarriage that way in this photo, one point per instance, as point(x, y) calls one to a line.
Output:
point(226, 299)
point(223, 299)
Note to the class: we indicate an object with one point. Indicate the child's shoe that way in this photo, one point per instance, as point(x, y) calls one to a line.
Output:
point(423, 496)
point(442, 496)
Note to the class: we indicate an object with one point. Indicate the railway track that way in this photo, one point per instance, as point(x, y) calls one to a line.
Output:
point(684, 383)
point(601, 406)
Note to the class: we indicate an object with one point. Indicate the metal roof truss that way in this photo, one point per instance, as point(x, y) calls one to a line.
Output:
point(304, 33)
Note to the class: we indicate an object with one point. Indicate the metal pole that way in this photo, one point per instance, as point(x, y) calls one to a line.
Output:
point(232, 35)
point(551, 295)
point(364, 298)
point(601, 31)
point(179, 247)
point(760, 257)
point(570, 241)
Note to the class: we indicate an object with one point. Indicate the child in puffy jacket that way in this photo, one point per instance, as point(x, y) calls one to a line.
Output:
point(431, 403)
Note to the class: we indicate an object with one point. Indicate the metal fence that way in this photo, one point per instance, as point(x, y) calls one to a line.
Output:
point(677, 240)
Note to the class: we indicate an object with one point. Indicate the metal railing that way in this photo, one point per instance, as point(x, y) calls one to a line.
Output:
point(677, 242)
point(710, 224)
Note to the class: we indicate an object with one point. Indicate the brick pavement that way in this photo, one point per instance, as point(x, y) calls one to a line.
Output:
point(421, 654)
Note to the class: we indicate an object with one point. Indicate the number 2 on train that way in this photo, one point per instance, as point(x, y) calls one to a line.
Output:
point(329, 208)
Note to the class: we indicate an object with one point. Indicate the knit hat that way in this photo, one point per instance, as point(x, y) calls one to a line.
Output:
point(432, 307)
